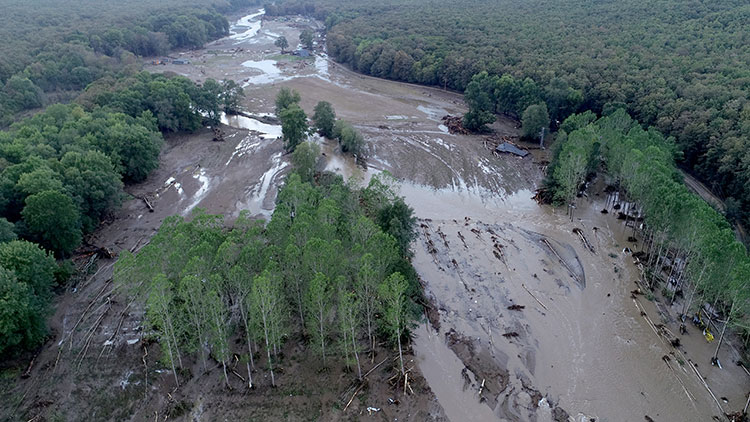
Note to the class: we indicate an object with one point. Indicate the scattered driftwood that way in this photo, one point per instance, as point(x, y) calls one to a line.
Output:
point(516, 307)
point(463, 240)
point(92, 251)
point(585, 241)
point(703, 381)
point(667, 360)
point(238, 375)
point(499, 254)
point(271, 120)
point(148, 204)
point(543, 196)
point(455, 124)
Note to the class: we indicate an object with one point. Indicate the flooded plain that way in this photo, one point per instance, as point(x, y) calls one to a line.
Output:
point(539, 322)
point(526, 322)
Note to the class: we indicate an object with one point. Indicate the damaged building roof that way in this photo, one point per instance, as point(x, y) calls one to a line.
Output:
point(512, 149)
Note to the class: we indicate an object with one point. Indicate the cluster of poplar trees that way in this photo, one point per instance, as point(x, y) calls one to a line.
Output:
point(330, 265)
point(681, 231)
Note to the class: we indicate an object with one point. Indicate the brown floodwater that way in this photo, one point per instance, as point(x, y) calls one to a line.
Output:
point(580, 342)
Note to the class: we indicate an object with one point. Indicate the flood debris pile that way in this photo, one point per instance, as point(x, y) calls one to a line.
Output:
point(455, 125)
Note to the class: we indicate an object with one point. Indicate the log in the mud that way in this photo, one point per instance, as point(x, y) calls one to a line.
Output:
point(532, 295)
point(562, 261)
point(27, 373)
point(585, 241)
point(374, 368)
point(148, 204)
point(353, 395)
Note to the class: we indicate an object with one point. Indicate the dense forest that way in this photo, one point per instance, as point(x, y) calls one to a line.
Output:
point(678, 66)
point(74, 43)
point(329, 267)
point(62, 171)
point(688, 246)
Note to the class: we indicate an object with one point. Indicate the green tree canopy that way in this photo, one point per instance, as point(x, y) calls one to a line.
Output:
point(535, 118)
point(293, 126)
point(54, 220)
point(285, 98)
point(305, 160)
point(282, 43)
point(306, 38)
point(324, 118)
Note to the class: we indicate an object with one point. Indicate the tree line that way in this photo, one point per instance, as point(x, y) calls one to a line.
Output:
point(330, 267)
point(676, 66)
point(50, 54)
point(681, 232)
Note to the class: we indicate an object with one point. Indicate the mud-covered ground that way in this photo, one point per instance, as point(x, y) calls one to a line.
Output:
point(576, 346)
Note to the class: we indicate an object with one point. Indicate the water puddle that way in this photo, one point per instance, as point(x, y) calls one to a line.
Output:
point(266, 131)
point(198, 196)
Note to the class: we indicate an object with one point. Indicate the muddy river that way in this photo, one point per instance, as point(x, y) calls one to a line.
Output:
point(529, 315)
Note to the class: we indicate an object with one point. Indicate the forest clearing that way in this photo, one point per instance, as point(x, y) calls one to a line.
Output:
point(529, 313)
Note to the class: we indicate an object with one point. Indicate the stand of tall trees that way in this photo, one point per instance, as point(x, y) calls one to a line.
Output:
point(682, 233)
point(324, 266)
point(679, 67)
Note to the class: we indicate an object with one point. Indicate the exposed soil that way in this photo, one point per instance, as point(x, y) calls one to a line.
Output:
point(492, 261)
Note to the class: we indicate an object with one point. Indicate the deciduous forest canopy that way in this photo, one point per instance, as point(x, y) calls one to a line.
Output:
point(62, 171)
point(56, 48)
point(680, 66)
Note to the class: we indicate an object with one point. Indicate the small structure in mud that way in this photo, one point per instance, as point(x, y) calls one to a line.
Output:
point(180, 61)
point(507, 147)
point(301, 52)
